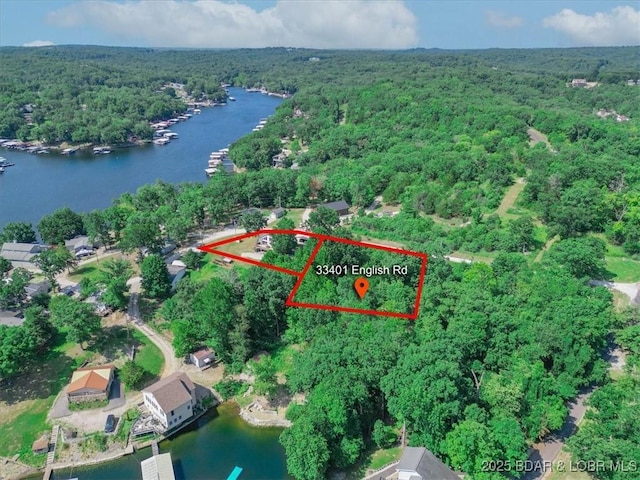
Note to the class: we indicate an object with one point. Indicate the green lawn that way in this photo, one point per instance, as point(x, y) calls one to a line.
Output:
point(92, 271)
point(624, 269)
point(283, 358)
point(382, 457)
point(208, 270)
point(148, 356)
point(294, 214)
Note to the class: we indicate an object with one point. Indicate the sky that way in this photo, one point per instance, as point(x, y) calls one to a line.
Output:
point(352, 24)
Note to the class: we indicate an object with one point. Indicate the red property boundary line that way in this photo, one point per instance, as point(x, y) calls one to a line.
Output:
point(212, 248)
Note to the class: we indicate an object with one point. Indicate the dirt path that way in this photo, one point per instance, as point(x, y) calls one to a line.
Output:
point(546, 247)
point(535, 136)
point(510, 197)
point(171, 363)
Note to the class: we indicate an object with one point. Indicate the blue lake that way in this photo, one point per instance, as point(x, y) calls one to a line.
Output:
point(39, 184)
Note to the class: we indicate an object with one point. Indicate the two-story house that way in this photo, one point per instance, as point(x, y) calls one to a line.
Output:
point(171, 400)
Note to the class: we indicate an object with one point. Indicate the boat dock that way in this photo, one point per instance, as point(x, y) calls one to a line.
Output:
point(158, 467)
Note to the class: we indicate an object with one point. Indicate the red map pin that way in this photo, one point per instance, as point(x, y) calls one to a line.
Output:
point(361, 285)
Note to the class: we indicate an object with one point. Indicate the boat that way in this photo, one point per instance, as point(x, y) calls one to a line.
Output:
point(1, 170)
point(232, 99)
point(161, 141)
point(5, 163)
point(101, 150)
point(69, 151)
point(197, 111)
point(235, 473)
point(170, 135)
point(210, 171)
point(252, 90)
point(43, 150)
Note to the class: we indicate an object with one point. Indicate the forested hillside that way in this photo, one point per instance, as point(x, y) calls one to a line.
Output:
point(500, 345)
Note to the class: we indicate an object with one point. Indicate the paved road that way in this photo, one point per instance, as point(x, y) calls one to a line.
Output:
point(544, 453)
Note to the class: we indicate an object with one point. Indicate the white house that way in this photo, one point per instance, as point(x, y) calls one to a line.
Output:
point(202, 357)
point(171, 400)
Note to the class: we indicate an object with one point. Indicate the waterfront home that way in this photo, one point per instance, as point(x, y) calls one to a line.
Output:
point(158, 467)
point(418, 463)
point(21, 254)
point(90, 383)
point(79, 243)
point(202, 358)
point(340, 207)
point(171, 400)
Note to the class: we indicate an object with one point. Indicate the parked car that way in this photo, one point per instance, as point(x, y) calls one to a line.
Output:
point(110, 424)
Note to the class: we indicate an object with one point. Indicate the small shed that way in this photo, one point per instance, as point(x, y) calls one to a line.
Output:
point(40, 446)
point(203, 357)
point(277, 213)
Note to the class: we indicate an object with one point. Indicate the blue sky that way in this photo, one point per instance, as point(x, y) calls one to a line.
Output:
point(321, 24)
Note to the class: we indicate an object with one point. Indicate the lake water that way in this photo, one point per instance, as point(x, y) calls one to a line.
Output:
point(206, 451)
point(39, 184)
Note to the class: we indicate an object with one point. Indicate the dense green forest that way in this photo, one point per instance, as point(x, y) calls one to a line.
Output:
point(498, 349)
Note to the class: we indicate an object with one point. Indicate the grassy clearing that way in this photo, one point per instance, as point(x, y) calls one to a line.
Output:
point(623, 269)
point(149, 357)
point(91, 271)
point(208, 270)
point(382, 457)
point(295, 214)
point(509, 200)
point(482, 256)
point(283, 358)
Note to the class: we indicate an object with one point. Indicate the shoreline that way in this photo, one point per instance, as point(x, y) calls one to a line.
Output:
point(38, 147)
point(132, 448)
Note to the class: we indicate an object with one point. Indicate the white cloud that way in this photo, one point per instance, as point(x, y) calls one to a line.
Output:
point(501, 19)
point(620, 26)
point(38, 43)
point(209, 23)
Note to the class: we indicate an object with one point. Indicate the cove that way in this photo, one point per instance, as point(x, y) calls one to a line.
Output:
point(39, 184)
point(206, 450)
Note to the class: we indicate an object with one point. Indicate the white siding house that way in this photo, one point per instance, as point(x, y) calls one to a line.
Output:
point(171, 400)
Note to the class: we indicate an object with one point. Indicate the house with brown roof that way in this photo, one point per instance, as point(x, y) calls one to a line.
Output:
point(202, 358)
point(171, 400)
point(90, 383)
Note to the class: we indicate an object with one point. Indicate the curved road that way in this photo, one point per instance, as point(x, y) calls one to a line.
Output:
point(543, 454)
point(171, 363)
